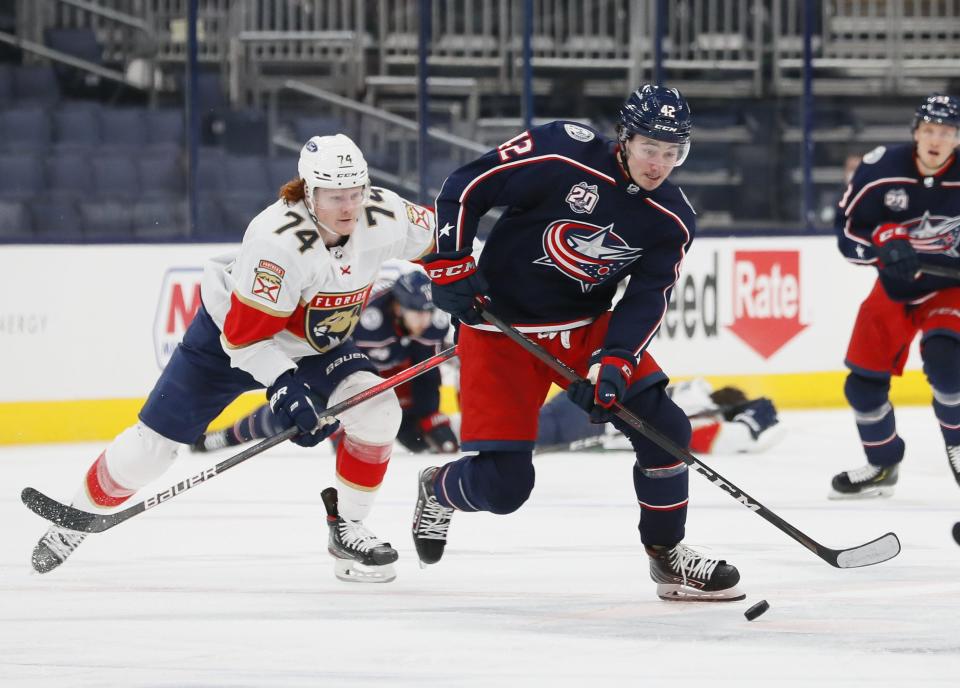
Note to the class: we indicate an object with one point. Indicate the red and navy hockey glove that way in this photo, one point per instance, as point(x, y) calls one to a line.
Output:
point(438, 434)
point(606, 382)
point(456, 284)
point(898, 258)
point(292, 404)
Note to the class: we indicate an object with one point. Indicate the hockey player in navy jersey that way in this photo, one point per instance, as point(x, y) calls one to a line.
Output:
point(582, 213)
point(901, 211)
point(398, 329)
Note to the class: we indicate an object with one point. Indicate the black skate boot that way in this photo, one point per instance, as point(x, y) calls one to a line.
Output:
point(359, 555)
point(953, 456)
point(869, 481)
point(431, 520)
point(685, 575)
point(54, 547)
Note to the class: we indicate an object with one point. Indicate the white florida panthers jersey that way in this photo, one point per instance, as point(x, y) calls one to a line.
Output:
point(285, 295)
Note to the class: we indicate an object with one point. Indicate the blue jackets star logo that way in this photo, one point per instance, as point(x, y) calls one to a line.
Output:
point(587, 253)
point(935, 234)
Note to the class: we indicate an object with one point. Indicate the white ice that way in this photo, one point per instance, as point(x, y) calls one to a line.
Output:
point(230, 584)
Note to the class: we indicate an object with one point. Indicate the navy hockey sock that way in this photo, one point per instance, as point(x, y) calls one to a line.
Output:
point(258, 425)
point(659, 479)
point(495, 481)
point(941, 363)
point(876, 422)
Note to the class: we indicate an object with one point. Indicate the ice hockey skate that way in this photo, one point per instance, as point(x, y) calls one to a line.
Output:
point(359, 555)
point(865, 482)
point(431, 520)
point(953, 457)
point(681, 574)
point(212, 441)
point(54, 547)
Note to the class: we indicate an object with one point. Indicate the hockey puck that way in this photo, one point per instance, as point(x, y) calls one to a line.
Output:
point(956, 532)
point(756, 610)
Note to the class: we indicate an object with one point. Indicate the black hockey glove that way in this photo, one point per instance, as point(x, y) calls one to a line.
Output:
point(438, 434)
point(292, 404)
point(898, 258)
point(456, 284)
point(759, 415)
point(609, 374)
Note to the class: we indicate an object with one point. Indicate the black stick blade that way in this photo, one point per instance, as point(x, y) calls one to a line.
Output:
point(876, 551)
point(61, 514)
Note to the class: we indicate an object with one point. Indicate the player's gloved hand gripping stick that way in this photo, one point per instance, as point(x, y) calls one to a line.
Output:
point(606, 383)
point(873, 552)
point(76, 519)
point(456, 283)
point(292, 405)
point(898, 258)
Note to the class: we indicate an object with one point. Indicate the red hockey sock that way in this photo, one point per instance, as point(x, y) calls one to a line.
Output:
point(102, 489)
point(362, 465)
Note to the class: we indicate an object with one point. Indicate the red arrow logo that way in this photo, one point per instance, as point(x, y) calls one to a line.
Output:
point(766, 299)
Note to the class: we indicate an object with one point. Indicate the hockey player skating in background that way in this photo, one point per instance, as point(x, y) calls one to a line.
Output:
point(398, 329)
point(582, 214)
point(900, 211)
point(278, 314)
point(723, 421)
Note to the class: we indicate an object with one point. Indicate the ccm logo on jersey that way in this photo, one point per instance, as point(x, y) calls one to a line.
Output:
point(450, 271)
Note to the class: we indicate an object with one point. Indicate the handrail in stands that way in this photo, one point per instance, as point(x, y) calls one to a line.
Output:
point(67, 59)
point(409, 125)
point(111, 14)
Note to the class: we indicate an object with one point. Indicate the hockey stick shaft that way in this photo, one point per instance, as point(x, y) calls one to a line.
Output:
point(77, 519)
point(941, 271)
point(876, 551)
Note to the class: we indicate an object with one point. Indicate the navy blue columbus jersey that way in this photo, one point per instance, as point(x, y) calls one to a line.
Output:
point(574, 226)
point(888, 187)
point(380, 335)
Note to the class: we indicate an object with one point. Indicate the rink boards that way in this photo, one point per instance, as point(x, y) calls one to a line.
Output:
point(87, 329)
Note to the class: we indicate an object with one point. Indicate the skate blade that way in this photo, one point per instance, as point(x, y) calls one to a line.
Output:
point(351, 571)
point(683, 593)
point(882, 492)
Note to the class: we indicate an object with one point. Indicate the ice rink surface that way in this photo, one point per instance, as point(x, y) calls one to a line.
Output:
point(230, 584)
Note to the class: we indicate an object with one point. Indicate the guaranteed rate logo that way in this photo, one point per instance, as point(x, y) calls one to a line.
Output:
point(766, 299)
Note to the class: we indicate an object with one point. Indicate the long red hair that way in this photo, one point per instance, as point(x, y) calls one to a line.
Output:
point(293, 191)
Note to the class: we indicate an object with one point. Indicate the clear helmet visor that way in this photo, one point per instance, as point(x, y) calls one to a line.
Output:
point(657, 152)
point(350, 198)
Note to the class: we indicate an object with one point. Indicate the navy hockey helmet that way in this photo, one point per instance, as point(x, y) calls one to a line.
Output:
point(412, 292)
point(656, 112)
point(938, 109)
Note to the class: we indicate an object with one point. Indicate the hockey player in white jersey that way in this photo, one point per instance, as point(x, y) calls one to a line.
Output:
point(278, 314)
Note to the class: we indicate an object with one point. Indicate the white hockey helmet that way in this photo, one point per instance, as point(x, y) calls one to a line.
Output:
point(332, 162)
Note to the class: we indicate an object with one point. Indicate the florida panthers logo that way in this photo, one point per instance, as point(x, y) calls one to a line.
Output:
point(586, 253)
point(935, 234)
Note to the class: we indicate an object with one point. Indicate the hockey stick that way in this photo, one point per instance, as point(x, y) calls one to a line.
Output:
point(873, 552)
point(75, 519)
point(940, 271)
